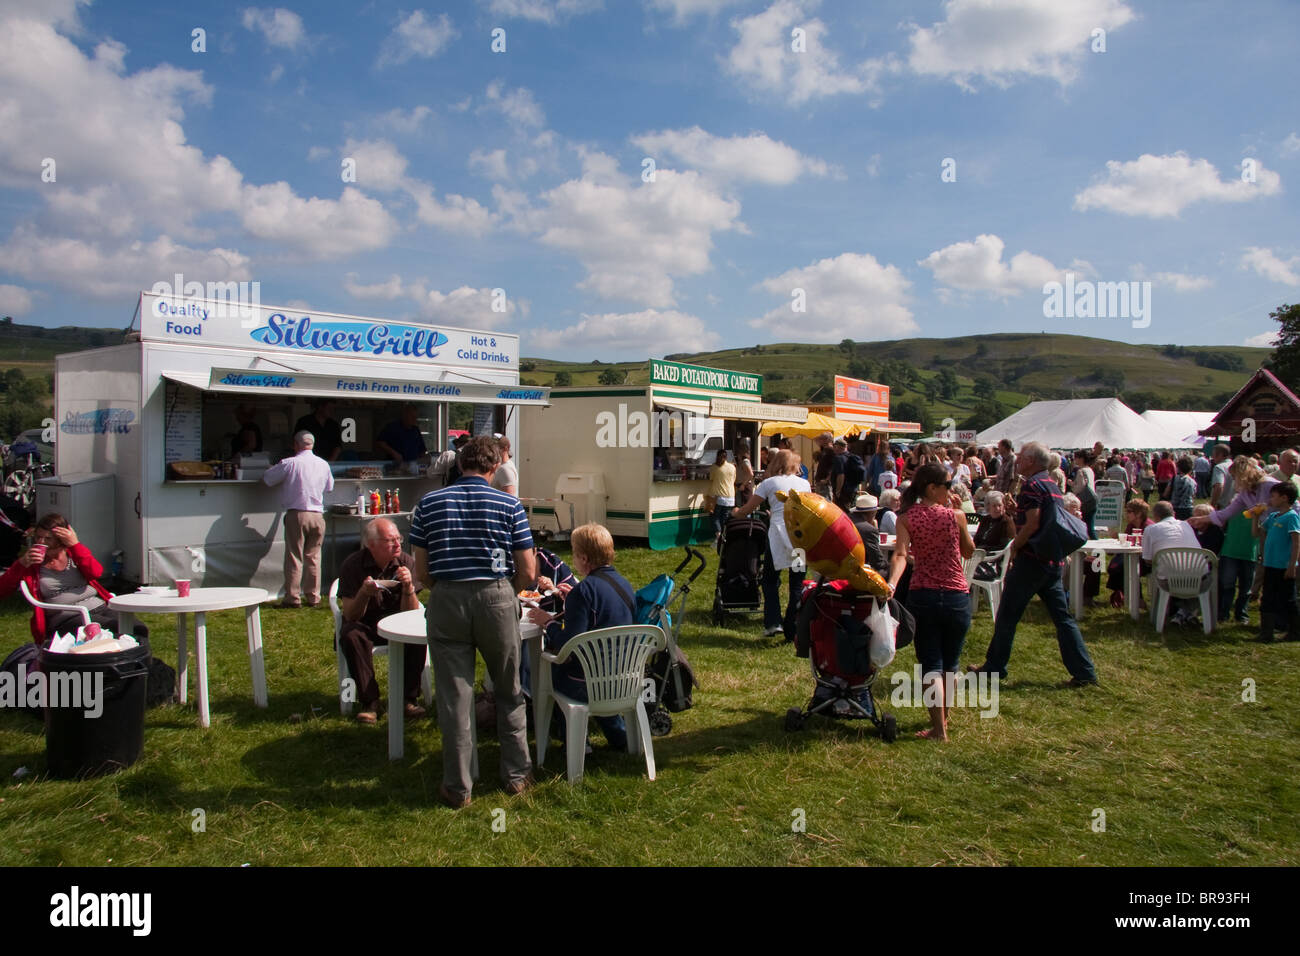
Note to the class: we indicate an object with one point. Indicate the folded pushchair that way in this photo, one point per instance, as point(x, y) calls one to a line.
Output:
point(742, 551)
point(832, 633)
point(668, 672)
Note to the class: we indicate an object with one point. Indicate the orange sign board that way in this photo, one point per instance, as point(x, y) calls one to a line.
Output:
point(859, 401)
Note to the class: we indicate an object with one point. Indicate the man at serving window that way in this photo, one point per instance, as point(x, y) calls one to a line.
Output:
point(402, 440)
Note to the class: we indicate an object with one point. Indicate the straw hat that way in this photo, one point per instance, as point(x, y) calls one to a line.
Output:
point(866, 503)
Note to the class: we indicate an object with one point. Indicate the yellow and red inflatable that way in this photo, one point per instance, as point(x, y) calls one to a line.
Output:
point(831, 544)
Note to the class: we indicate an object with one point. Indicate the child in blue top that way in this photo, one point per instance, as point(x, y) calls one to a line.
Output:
point(1281, 529)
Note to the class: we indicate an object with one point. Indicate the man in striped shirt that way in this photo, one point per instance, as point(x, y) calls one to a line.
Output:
point(469, 541)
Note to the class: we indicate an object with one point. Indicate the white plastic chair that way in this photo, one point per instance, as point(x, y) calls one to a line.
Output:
point(1185, 573)
point(46, 606)
point(970, 564)
point(345, 706)
point(992, 588)
point(613, 663)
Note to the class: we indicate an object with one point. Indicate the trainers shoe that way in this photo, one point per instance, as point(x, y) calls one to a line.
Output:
point(413, 710)
point(515, 787)
point(773, 630)
point(447, 798)
point(1077, 682)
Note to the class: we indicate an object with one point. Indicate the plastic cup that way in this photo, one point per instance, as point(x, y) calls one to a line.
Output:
point(183, 588)
point(37, 553)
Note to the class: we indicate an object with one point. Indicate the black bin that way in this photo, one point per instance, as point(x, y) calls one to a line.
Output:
point(77, 745)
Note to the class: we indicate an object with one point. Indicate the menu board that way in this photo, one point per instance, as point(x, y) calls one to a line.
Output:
point(483, 419)
point(182, 438)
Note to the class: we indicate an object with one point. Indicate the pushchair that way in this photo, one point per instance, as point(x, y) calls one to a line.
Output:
point(832, 633)
point(742, 551)
point(668, 673)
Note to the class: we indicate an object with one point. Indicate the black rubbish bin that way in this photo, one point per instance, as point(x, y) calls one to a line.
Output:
point(96, 723)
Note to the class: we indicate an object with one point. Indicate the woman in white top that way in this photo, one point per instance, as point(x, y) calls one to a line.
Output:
point(1084, 478)
point(783, 472)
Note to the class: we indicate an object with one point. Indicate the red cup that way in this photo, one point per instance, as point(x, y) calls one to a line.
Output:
point(37, 553)
point(183, 588)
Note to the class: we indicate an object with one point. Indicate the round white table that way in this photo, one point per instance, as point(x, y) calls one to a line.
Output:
point(409, 627)
point(199, 603)
point(1131, 553)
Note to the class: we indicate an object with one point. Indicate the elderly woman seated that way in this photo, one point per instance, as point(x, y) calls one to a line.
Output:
point(994, 532)
point(603, 599)
point(891, 500)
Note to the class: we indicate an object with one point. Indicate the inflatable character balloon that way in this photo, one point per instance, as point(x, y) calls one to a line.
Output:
point(830, 542)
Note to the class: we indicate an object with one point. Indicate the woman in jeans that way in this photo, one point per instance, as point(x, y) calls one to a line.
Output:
point(933, 530)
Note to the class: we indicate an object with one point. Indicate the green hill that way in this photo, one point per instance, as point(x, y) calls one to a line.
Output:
point(975, 379)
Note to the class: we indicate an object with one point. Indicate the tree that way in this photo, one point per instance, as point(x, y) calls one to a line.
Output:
point(985, 387)
point(846, 346)
point(611, 376)
point(912, 412)
point(984, 415)
point(562, 379)
point(1285, 360)
point(528, 365)
point(931, 389)
point(948, 384)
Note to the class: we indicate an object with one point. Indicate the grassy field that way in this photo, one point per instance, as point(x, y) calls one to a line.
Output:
point(1185, 772)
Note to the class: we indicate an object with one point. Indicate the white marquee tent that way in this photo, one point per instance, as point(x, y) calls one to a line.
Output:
point(1181, 425)
point(1078, 423)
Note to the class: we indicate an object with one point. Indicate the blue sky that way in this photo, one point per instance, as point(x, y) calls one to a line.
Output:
point(782, 177)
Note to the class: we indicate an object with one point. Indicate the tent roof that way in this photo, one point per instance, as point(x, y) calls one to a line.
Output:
point(1180, 426)
point(814, 426)
point(1079, 423)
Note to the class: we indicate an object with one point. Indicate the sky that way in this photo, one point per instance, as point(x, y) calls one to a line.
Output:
point(632, 178)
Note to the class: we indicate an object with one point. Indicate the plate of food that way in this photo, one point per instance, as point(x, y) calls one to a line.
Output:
point(158, 590)
point(385, 585)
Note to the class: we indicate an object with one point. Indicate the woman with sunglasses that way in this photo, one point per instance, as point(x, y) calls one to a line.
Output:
point(933, 530)
point(59, 569)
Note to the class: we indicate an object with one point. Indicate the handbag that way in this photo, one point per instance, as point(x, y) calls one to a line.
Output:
point(1059, 533)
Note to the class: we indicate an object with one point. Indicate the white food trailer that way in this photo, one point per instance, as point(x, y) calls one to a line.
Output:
point(636, 458)
point(172, 394)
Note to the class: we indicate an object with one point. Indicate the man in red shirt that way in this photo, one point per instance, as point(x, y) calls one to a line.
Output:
point(1165, 471)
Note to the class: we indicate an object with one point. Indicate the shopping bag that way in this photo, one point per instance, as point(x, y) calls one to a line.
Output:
point(883, 630)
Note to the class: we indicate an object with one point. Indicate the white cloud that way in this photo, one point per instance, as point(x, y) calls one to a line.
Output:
point(114, 270)
point(491, 165)
point(379, 165)
point(416, 36)
point(977, 266)
point(541, 11)
point(323, 228)
point(454, 213)
point(1163, 186)
point(280, 27)
point(517, 105)
point(763, 58)
point(625, 334)
point(15, 300)
point(1265, 263)
point(683, 10)
point(1265, 340)
point(754, 158)
point(406, 121)
point(1000, 41)
point(1178, 281)
point(633, 238)
point(465, 307)
point(873, 166)
point(849, 296)
point(1291, 145)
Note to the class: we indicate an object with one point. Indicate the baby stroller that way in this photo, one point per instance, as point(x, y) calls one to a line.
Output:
point(832, 633)
point(741, 553)
point(669, 672)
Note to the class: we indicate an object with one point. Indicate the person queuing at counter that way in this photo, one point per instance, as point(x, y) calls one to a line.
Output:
point(469, 540)
point(722, 491)
point(324, 428)
point(304, 478)
point(783, 472)
point(402, 440)
point(59, 569)
point(375, 582)
point(603, 599)
point(507, 476)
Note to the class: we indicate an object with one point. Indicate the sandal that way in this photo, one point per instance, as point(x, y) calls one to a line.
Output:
point(1117, 600)
point(367, 717)
point(929, 734)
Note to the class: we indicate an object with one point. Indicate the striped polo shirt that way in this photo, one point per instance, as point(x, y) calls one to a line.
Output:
point(467, 527)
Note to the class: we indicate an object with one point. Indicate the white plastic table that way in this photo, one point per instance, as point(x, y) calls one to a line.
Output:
point(199, 603)
point(409, 627)
point(1106, 547)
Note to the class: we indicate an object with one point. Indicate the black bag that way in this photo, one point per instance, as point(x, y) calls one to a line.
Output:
point(161, 684)
point(1059, 533)
point(1087, 500)
point(676, 677)
point(855, 471)
point(28, 654)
